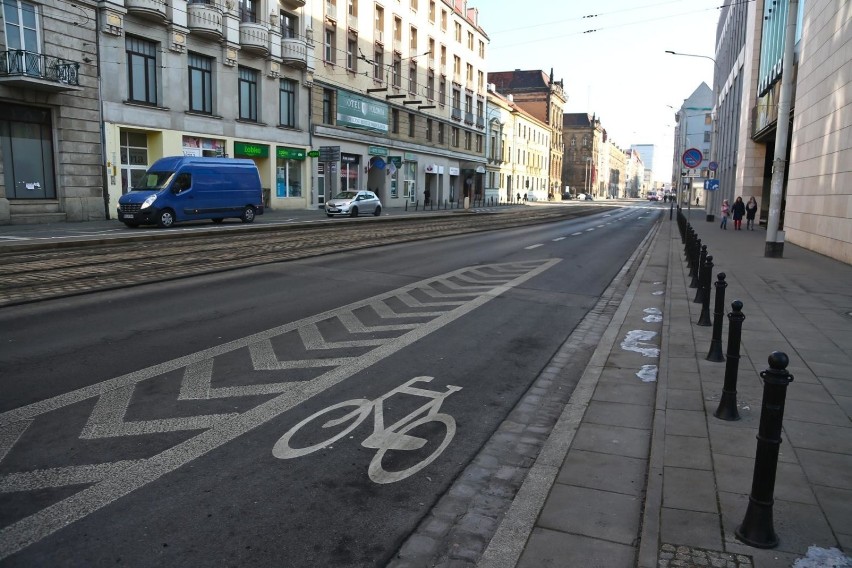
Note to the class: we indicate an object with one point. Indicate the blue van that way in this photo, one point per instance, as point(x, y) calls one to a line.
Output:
point(183, 188)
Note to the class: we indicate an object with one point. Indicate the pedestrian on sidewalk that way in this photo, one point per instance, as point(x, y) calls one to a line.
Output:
point(751, 210)
point(426, 196)
point(726, 208)
point(737, 212)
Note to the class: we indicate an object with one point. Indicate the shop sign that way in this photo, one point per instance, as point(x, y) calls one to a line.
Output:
point(410, 157)
point(360, 112)
point(396, 161)
point(454, 171)
point(431, 169)
point(246, 150)
point(377, 151)
point(285, 153)
point(314, 154)
point(329, 153)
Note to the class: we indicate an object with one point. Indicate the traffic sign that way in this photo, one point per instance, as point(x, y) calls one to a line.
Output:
point(711, 184)
point(713, 166)
point(692, 158)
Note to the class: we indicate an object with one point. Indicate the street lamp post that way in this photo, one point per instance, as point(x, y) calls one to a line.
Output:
point(707, 203)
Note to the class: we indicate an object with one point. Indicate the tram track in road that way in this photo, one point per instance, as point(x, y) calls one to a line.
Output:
point(37, 274)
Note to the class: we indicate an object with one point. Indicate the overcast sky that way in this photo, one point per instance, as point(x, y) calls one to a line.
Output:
point(620, 71)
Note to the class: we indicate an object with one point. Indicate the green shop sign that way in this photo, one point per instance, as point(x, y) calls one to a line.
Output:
point(313, 154)
point(284, 153)
point(377, 151)
point(360, 112)
point(246, 150)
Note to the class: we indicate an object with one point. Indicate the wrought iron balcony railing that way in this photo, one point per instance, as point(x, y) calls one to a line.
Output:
point(20, 63)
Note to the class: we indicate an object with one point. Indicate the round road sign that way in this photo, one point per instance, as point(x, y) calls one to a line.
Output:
point(692, 158)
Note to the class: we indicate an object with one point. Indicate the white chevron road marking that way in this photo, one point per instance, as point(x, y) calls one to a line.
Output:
point(111, 481)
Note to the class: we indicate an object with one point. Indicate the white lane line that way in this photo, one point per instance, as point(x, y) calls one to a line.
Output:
point(557, 239)
point(577, 233)
point(591, 229)
point(533, 247)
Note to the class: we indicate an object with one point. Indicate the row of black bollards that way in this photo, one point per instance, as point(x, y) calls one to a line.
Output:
point(757, 527)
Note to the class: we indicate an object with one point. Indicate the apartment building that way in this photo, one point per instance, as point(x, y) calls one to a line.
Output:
point(634, 171)
point(544, 98)
point(50, 141)
point(693, 131)
point(398, 99)
point(207, 78)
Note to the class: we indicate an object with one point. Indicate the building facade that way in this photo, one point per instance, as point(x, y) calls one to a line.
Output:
point(647, 152)
point(583, 139)
point(544, 98)
point(207, 79)
point(50, 124)
point(693, 131)
point(398, 100)
point(634, 185)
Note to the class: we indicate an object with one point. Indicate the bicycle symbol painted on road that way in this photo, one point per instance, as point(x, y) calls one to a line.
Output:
point(393, 437)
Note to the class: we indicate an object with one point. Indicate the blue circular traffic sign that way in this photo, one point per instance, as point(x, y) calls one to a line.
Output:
point(692, 158)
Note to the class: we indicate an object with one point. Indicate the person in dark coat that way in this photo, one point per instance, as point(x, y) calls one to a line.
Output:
point(738, 209)
point(751, 211)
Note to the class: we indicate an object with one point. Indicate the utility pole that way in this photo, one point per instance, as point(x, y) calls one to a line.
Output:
point(774, 247)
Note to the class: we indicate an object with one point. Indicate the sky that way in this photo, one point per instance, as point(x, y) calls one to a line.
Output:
point(619, 71)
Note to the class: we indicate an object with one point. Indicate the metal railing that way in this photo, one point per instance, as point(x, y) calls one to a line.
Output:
point(17, 62)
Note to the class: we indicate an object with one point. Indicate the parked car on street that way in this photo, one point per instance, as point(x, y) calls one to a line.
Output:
point(353, 203)
point(585, 197)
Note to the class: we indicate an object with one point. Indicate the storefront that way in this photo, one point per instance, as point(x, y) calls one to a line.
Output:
point(289, 169)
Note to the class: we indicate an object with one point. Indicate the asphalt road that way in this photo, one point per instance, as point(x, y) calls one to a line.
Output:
point(170, 424)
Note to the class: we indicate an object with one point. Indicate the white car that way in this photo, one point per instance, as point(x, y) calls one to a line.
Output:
point(352, 203)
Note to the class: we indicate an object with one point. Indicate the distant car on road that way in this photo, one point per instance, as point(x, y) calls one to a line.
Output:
point(353, 203)
point(585, 197)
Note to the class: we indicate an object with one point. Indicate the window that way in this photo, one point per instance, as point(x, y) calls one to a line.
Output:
point(397, 29)
point(440, 133)
point(288, 175)
point(481, 49)
point(456, 102)
point(412, 124)
point(432, 11)
point(412, 40)
point(467, 138)
point(479, 143)
point(412, 78)
point(413, 5)
point(289, 26)
point(470, 40)
point(455, 137)
point(458, 32)
point(443, 20)
point(22, 32)
point(352, 52)
point(397, 70)
point(248, 94)
point(468, 104)
point(248, 11)
point(327, 106)
point(430, 85)
point(352, 8)
point(200, 83)
point(469, 75)
point(456, 67)
point(431, 56)
point(395, 121)
point(142, 70)
point(330, 42)
point(379, 24)
point(429, 129)
point(443, 57)
point(379, 63)
point(442, 90)
point(287, 103)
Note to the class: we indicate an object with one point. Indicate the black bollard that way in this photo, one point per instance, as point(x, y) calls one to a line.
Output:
point(727, 409)
point(756, 529)
point(715, 353)
point(704, 290)
point(699, 258)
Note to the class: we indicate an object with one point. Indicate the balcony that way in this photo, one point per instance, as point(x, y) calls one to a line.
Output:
point(254, 38)
point(468, 118)
point(480, 122)
point(293, 4)
point(205, 19)
point(456, 114)
point(148, 9)
point(37, 71)
point(294, 52)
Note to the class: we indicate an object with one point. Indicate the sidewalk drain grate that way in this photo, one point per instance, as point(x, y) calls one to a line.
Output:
point(672, 555)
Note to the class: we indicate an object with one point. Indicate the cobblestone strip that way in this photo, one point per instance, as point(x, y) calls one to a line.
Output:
point(673, 556)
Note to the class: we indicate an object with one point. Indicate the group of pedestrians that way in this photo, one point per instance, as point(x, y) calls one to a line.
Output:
point(737, 211)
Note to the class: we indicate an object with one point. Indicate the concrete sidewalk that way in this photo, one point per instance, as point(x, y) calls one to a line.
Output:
point(639, 472)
